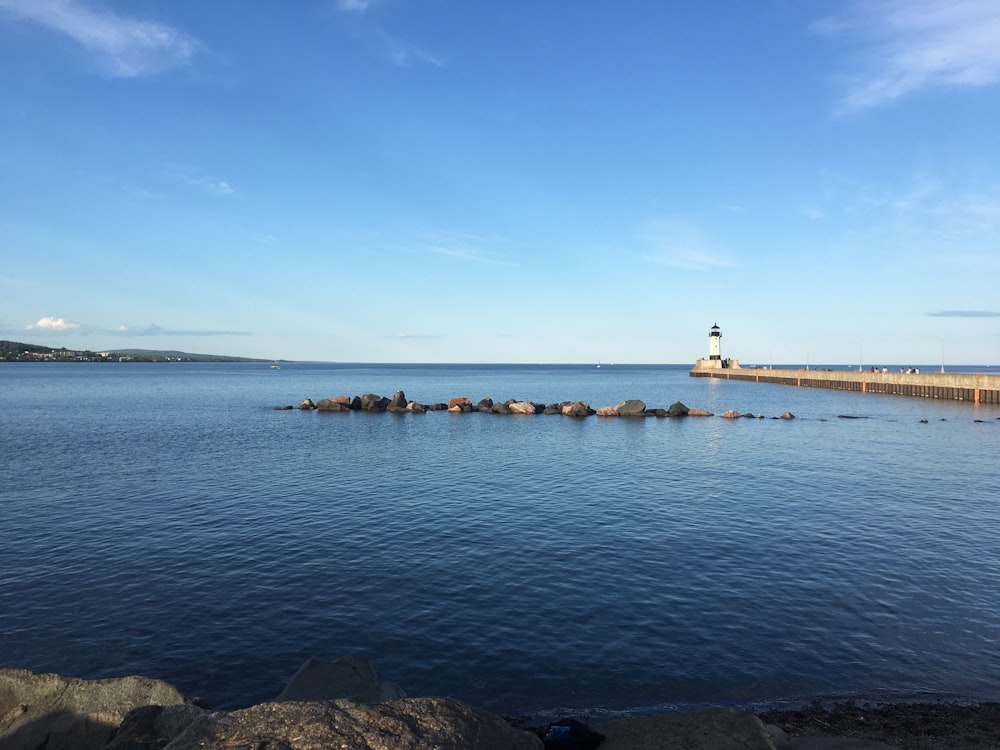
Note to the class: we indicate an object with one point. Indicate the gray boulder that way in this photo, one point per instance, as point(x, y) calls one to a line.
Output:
point(373, 402)
point(677, 409)
point(412, 724)
point(350, 677)
point(66, 713)
point(632, 408)
point(329, 404)
point(307, 404)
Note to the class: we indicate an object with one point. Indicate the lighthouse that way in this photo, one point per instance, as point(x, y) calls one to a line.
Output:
point(715, 360)
point(715, 343)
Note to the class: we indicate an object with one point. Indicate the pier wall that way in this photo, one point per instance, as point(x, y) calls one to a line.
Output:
point(974, 388)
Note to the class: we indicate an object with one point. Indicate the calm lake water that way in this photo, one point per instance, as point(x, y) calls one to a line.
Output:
point(163, 519)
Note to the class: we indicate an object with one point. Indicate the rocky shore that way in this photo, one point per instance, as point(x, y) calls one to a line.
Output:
point(400, 404)
point(344, 704)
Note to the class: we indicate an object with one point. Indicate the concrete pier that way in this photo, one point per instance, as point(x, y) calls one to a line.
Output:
point(973, 388)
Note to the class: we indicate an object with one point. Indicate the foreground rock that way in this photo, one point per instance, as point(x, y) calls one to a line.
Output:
point(410, 724)
point(65, 713)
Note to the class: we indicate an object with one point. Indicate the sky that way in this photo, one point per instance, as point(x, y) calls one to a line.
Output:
point(517, 182)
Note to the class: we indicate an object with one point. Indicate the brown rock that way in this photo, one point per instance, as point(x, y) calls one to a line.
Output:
point(577, 409)
point(458, 401)
point(65, 713)
point(412, 724)
point(153, 727)
point(699, 413)
point(307, 404)
point(730, 414)
point(523, 407)
point(329, 404)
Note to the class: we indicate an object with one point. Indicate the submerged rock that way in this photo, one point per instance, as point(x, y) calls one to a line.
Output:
point(350, 677)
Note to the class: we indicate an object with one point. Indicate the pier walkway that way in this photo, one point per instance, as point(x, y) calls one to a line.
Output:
point(975, 388)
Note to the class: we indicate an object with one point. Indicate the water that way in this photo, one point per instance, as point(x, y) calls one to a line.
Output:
point(165, 520)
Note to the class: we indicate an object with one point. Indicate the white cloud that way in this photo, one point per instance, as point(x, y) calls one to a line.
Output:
point(910, 45)
point(676, 242)
point(126, 47)
point(52, 324)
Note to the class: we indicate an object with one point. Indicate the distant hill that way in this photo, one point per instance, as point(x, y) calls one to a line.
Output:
point(15, 351)
point(184, 356)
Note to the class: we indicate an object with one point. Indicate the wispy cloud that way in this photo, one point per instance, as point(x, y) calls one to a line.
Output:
point(354, 6)
point(53, 326)
point(460, 246)
point(964, 314)
point(678, 243)
point(401, 53)
point(195, 179)
point(909, 45)
point(151, 329)
point(125, 47)
point(415, 336)
point(405, 55)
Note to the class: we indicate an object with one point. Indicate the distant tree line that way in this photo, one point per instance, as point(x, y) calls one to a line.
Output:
point(15, 351)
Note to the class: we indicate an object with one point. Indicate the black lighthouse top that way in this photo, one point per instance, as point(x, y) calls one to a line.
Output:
point(715, 331)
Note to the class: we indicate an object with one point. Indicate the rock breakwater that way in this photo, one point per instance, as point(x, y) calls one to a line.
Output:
point(398, 403)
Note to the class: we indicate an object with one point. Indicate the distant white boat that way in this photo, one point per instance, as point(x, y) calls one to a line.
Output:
point(275, 367)
point(598, 364)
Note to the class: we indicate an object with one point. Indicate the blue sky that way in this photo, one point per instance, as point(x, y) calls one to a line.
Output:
point(456, 181)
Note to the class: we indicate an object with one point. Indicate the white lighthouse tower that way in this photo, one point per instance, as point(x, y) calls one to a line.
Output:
point(715, 360)
point(715, 344)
